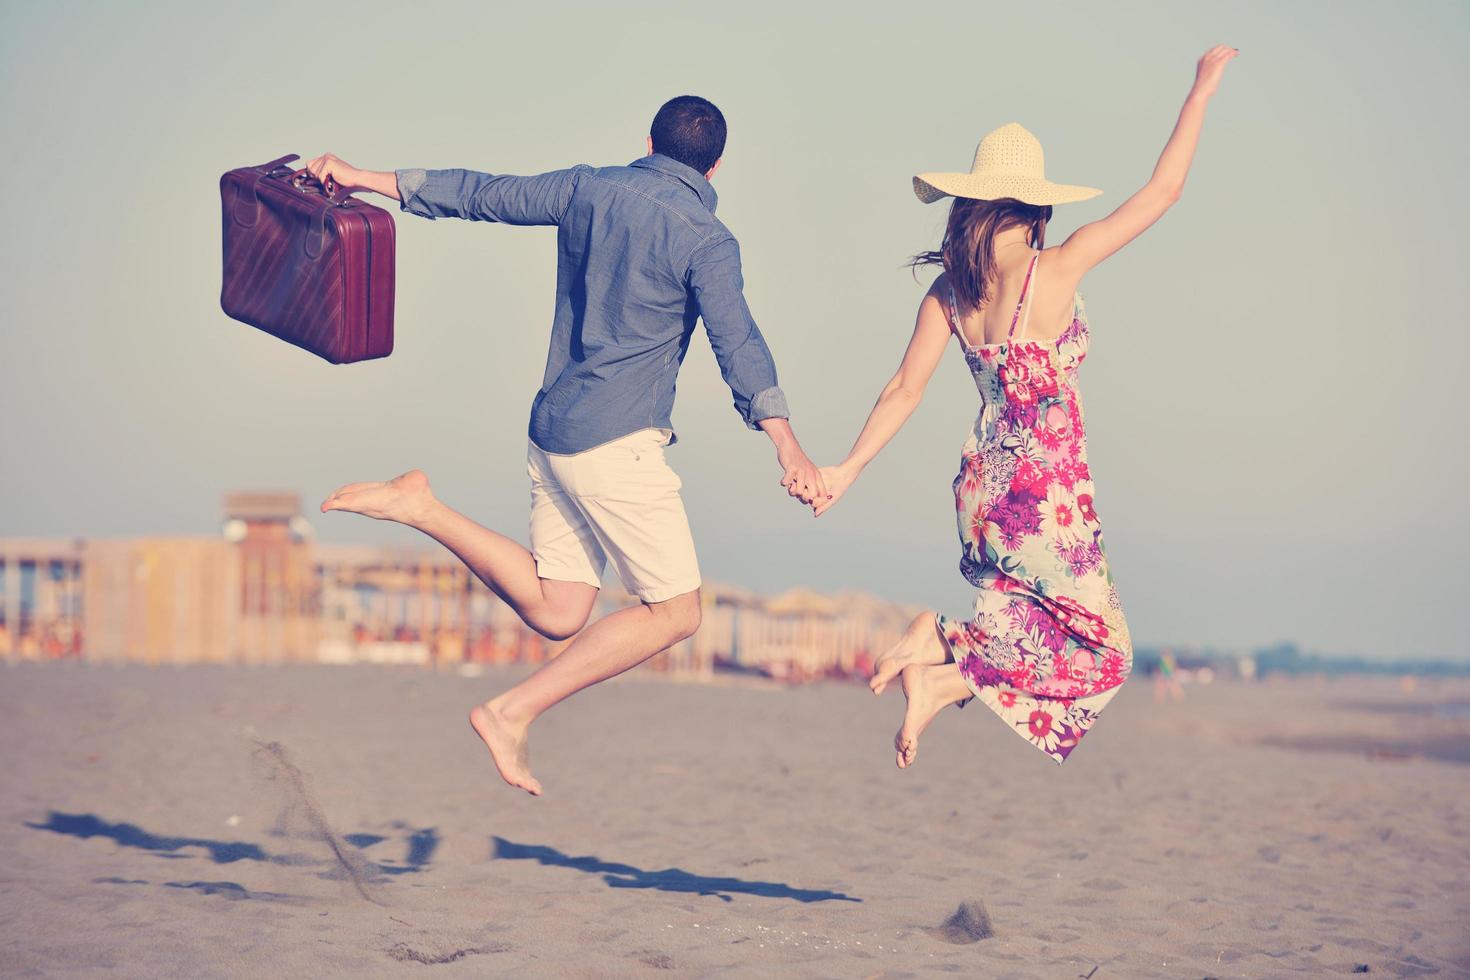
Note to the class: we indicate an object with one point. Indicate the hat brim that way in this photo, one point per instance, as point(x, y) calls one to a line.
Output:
point(1030, 190)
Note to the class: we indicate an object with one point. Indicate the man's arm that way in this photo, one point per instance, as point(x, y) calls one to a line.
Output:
point(468, 194)
point(745, 361)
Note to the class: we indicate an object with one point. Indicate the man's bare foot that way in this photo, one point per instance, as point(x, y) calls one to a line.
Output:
point(921, 644)
point(507, 745)
point(406, 499)
point(929, 689)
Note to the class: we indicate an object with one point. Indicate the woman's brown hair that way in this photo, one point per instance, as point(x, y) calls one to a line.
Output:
point(968, 251)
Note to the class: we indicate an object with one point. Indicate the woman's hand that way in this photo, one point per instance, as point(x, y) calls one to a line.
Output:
point(1211, 68)
point(838, 479)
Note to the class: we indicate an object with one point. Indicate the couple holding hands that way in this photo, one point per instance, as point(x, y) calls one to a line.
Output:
point(641, 258)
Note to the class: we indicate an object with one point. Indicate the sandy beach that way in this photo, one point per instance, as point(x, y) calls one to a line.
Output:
point(345, 822)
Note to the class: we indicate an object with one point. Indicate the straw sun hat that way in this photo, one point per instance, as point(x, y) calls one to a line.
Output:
point(1008, 163)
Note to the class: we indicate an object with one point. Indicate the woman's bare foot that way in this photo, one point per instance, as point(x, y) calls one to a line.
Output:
point(406, 499)
point(921, 644)
point(507, 745)
point(929, 689)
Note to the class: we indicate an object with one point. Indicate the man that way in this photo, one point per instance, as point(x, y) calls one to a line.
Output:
point(640, 257)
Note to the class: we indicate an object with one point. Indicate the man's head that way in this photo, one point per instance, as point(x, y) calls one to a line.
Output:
point(691, 130)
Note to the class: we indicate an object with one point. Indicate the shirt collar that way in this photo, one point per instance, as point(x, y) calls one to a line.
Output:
point(683, 173)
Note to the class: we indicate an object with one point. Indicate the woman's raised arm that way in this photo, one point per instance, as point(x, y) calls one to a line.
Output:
point(1094, 242)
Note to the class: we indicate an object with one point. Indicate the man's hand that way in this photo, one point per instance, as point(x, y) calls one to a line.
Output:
point(347, 177)
point(331, 167)
point(799, 475)
point(837, 479)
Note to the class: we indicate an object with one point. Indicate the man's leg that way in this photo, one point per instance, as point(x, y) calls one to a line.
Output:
point(628, 498)
point(605, 649)
point(552, 608)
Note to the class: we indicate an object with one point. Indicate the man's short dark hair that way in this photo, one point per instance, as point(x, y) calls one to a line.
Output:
point(691, 130)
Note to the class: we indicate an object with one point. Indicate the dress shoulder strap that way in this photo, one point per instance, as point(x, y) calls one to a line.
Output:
point(1025, 300)
point(954, 316)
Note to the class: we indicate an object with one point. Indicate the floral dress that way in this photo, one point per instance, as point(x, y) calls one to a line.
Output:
point(1047, 646)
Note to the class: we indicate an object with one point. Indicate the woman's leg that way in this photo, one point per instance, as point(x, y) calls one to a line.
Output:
point(921, 644)
point(929, 690)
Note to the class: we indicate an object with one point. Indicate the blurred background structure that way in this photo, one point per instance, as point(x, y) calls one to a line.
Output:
point(265, 591)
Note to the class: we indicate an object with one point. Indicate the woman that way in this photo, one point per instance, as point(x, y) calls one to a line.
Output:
point(1048, 645)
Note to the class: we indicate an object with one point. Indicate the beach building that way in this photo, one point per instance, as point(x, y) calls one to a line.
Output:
point(263, 590)
point(40, 598)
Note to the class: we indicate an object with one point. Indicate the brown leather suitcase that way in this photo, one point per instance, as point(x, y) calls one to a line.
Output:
point(306, 264)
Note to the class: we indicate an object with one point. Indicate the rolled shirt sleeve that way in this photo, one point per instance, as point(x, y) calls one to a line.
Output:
point(745, 361)
point(409, 182)
point(475, 196)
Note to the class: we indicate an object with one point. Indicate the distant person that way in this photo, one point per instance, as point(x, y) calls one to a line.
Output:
point(640, 258)
point(1047, 646)
point(1166, 679)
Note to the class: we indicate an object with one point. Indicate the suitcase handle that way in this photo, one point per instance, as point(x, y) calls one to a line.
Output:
point(278, 162)
point(329, 189)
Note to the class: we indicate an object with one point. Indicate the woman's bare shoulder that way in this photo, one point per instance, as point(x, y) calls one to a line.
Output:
point(939, 287)
point(936, 301)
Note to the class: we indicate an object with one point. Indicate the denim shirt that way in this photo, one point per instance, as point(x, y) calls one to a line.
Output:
point(640, 257)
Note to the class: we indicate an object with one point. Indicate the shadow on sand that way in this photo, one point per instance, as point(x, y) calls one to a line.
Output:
point(85, 825)
point(421, 843)
point(421, 847)
point(232, 890)
point(668, 880)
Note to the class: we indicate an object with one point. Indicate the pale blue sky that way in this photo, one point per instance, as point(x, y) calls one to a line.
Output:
point(1274, 390)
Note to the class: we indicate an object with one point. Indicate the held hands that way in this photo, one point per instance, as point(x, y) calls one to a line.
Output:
point(799, 475)
point(1210, 69)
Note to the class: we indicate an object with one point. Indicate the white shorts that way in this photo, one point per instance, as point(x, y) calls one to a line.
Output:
point(619, 500)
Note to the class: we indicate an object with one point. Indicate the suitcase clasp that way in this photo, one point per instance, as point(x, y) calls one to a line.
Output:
point(305, 183)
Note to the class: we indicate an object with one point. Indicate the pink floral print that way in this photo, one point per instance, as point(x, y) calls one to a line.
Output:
point(1047, 646)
